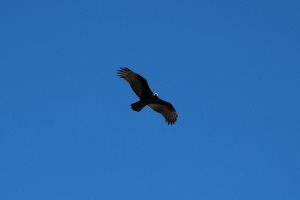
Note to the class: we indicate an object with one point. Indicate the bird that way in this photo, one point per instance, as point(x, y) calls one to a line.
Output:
point(146, 97)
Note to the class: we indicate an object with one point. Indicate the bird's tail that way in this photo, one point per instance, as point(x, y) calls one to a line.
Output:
point(138, 106)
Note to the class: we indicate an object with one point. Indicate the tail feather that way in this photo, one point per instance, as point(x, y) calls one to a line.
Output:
point(137, 106)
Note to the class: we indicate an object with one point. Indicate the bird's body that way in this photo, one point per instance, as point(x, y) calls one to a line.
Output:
point(147, 98)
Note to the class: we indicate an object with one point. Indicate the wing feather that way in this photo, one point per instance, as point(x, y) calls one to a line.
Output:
point(166, 109)
point(138, 83)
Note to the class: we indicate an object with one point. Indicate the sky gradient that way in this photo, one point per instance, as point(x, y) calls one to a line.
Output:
point(230, 68)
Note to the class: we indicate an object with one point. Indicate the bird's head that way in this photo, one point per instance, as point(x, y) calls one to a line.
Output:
point(155, 94)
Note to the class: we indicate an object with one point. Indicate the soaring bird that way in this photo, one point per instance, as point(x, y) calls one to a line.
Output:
point(147, 98)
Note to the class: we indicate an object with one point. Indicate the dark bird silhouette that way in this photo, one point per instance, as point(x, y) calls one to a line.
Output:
point(147, 98)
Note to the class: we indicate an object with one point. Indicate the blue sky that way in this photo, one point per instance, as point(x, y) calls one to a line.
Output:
point(231, 69)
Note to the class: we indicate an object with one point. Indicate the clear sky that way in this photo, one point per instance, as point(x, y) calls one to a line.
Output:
point(230, 68)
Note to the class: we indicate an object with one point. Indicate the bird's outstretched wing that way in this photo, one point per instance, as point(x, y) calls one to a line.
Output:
point(166, 109)
point(138, 84)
